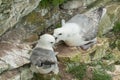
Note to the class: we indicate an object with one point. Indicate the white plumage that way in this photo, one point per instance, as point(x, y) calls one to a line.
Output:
point(81, 30)
point(43, 57)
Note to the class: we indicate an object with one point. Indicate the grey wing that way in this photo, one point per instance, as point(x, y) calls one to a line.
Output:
point(90, 34)
point(42, 57)
point(80, 19)
point(88, 27)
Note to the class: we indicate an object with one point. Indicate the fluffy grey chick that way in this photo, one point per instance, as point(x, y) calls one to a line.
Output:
point(43, 57)
point(81, 30)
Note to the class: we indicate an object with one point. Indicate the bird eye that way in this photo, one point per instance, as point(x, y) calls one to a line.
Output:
point(55, 38)
point(51, 42)
point(60, 34)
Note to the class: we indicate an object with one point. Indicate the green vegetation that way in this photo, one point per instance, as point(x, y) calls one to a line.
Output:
point(48, 3)
point(104, 62)
point(58, 25)
point(99, 67)
point(116, 38)
point(116, 28)
point(78, 70)
point(108, 56)
point(101, 75)
point(38, 76)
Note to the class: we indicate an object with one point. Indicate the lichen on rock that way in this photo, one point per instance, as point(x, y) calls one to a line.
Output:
point(12, 11)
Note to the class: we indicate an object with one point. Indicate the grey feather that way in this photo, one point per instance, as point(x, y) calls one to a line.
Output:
point(88, 23)
point(42, 57)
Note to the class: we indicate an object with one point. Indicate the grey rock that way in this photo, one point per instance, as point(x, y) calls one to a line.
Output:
point(74, 4)
point(87, 2)
point(53, 19)
point(26, 74)
point(17, 74)
point(15, 55)
point(10, 75)
point(3, 66)
point(13, 10)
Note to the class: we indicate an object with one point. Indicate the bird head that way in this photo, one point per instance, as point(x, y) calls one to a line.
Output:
point(60, 34)
point(46, 40)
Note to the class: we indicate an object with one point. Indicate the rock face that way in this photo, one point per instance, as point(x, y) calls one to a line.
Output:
point(74, 4)
point(21, 74)
point(11, 11)
point(14, 54)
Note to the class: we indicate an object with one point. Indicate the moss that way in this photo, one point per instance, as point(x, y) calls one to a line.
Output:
point(112, 16)
point(58, 25)
point(118, 44)
point(101, 75)
point(50, 3)
point(38, 76)
point(1, 31)
point(94, 4)
point(34, 17)
point(116, 28)
point(108, 56)
point(116, 38)
point(112, 44)
point(39, 21)
point(78, 70)
point(72, 58)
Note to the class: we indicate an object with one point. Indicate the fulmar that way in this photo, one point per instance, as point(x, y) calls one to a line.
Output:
point(81, 30)
point(43, 57)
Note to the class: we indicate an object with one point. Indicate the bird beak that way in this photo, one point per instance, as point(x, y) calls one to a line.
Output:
point(54, 46)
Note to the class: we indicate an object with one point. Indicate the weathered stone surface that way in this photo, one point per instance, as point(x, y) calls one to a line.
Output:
point(26, 74)
point(97, 51)
point(10, 75)
point(74, 4)
point(19, 35)
point(11, 11)
point(17, 74)
point(15, 55)
point(39, 20)
point(3, 66)
point(87, 2)
point(66, 54)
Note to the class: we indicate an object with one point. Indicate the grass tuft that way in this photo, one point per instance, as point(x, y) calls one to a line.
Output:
point(101, 75)
point(78, 70)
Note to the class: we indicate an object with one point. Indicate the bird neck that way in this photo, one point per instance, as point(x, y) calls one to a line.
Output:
point(44, 46)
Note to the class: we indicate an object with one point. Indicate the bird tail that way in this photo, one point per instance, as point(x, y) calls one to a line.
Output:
point(96, 14)
point(41, 63)
point(100, 12)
